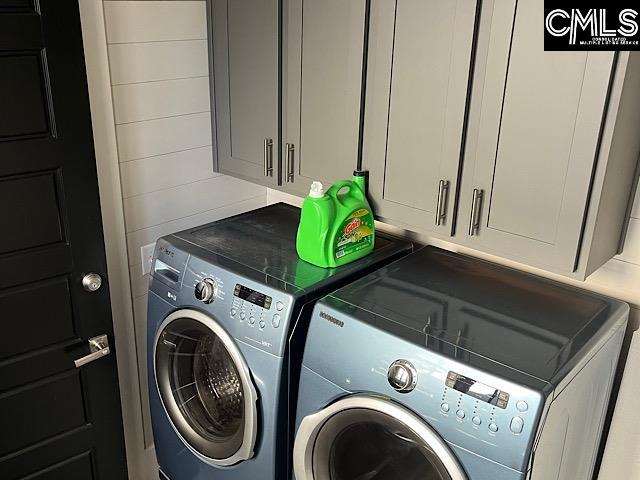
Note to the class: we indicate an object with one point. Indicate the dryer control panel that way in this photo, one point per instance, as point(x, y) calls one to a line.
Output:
point(474, 405)
point(469, 407)
point(477, 390)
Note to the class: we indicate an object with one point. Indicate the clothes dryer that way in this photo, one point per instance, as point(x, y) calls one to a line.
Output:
point(442, 367)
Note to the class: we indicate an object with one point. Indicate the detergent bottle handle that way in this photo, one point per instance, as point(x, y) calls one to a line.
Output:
point(336, 187)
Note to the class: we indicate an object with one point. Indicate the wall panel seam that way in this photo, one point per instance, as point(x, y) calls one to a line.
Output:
point(160, 80)
point(165, 153)
point(167, 116)
point(160, 41)
point(178, 185)
point(194, 213)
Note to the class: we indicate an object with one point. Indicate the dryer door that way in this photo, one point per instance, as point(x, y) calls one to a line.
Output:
point(205, 387)
point(366, 437)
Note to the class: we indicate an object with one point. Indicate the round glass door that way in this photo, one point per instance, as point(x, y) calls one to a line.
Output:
point(368, 438)
point(205, 387)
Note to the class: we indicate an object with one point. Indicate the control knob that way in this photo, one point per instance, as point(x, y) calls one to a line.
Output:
point(402, 376)
point(206, 290)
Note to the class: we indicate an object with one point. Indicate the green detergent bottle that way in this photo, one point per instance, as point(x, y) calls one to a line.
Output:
point(336, 226)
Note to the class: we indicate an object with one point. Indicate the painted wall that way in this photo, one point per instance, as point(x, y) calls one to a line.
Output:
point(620, 278)
point(159, 78)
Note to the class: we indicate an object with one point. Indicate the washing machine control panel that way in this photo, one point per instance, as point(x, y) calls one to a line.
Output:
point(252, 296)
point(256, 308)
point(251, 311)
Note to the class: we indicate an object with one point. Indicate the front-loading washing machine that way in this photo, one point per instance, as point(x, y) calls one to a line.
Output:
point(443, 367)
point(228, 308)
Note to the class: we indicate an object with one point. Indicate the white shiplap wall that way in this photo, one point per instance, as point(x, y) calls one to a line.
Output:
point(160, 91)
point(619, 278)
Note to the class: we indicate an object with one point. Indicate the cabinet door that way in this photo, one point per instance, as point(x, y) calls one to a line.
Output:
point(324, 42)
point(535, 139)
point(419, 62)
point(246, 73)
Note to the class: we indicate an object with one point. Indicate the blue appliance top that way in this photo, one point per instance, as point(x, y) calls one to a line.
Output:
point(262, 244)
point(459, 306)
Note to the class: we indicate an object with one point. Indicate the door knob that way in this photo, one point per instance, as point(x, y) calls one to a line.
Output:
point(91, 282)
point(98, 346)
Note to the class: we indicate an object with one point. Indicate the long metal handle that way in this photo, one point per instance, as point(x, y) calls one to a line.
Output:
point(98, 346)
point(268, 157)
point(476, 203)
point(290, 149)
point(441, 206)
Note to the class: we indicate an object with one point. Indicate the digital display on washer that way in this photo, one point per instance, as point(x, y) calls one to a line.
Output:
point(477, 390)
point(249, 295)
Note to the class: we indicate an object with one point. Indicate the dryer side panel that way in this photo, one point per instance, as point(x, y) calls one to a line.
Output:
point(572, 430)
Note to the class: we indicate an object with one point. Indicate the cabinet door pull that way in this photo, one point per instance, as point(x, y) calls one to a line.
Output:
point(290, 149)
point(268, 157)
point(476, 205)
point(441, 206)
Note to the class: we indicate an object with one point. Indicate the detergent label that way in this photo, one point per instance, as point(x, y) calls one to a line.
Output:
point(355, 233)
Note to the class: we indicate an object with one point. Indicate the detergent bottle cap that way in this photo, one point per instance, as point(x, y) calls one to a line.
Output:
point(316, 190)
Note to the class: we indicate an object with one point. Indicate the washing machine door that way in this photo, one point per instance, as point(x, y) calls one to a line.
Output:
point(205, 386)
point(371, 438)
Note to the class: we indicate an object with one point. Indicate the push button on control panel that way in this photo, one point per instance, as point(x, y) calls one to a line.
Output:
point(252, 320)
point(460, 413)
point(243, 315)
point(275, 321)
point(279, 306)
point(517, 424)
point(445, 407)
point(476, 420)
point(262, 324)
point(522, 406)
point(493, 427)
point(233, 312)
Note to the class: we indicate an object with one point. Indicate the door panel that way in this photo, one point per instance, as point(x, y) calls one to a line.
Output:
point(537, 140)
point(51, 236)
point(21, 95)
point(54, 304)
point(64, 410)
point(246, 75)
point(325, 42)
point(77, 467)
point(518, 179)
point(417, 93)
point(34, 220)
